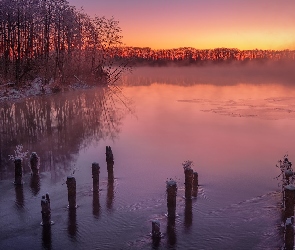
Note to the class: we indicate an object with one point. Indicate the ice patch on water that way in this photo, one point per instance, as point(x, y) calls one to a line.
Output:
point(267, 109)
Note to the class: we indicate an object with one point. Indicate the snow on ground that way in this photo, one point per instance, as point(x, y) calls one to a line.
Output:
point(10, 92)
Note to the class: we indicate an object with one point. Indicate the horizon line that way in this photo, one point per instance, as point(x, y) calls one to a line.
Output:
point(188, 47)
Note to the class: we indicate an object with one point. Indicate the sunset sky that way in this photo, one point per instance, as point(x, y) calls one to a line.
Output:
point(202, 24)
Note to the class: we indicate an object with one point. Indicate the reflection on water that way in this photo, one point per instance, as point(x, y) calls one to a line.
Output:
point(110, 194)
point(96, 205)
point(156, 242)
point(57, 127)
point(235, 156)
point(35, 184)
point(171, 232)
point(188, 214)
point(19, 196)
point(220, 75)
point(46, 237)
point(289, 237)
point(72, 223)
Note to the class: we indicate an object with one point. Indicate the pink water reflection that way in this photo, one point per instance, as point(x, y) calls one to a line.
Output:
point(234, 134)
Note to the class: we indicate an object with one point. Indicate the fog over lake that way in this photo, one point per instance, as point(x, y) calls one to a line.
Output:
point(233, 121)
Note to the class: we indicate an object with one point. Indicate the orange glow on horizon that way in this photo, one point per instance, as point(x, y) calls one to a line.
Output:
point(254, 40)
point(245, 25)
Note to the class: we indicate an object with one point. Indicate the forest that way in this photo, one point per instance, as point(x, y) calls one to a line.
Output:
point(191, 56)
point(53, 41)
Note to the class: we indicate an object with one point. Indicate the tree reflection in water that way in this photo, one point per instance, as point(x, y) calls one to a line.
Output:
point(35, 184)
point(57, 127)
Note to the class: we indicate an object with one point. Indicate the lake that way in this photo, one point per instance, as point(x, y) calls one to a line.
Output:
point(234, 122)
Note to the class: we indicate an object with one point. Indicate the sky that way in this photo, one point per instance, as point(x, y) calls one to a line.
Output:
point(201, 24)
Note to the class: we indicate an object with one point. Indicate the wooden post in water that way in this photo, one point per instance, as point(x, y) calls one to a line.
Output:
point(46, 210)
point(289, 201)
point(34, 163)
point(171, 187)
point(110, 162)
point(95, 176)
point(71, 184)
point(18, 171)
point(156, 233)
point(188, 182)
point(195, 184)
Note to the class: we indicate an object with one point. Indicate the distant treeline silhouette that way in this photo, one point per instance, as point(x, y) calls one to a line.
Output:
point(189, 55)
point(53, 40)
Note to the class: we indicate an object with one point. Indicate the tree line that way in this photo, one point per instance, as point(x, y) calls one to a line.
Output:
point(187, 55)
point(52, 40)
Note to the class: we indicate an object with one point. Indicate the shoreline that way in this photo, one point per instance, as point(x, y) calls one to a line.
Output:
point(10, 93)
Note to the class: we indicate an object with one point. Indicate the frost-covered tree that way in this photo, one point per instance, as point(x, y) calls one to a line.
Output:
point(53, 40)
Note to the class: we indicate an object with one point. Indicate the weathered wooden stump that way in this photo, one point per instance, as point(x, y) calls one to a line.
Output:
point(156, 232)
point(34, 163)
point(18, 172)
point(188, 182)
point(46, 210)
point(95, 176)
point(289, 201)
point(287, 175)
point(71, 184)
point(171, 188)
point(110, 162)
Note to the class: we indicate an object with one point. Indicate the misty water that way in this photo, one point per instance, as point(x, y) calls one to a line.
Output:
point(233, 122)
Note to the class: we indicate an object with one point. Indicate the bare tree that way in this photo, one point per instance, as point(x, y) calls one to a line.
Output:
point(52, 40)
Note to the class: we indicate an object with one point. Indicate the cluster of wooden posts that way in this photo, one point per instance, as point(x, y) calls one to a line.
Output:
point(288, 190)
point(71, 182)
point(191, 190)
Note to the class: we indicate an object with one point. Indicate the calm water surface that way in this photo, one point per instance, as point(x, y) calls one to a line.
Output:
point(233, 123)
